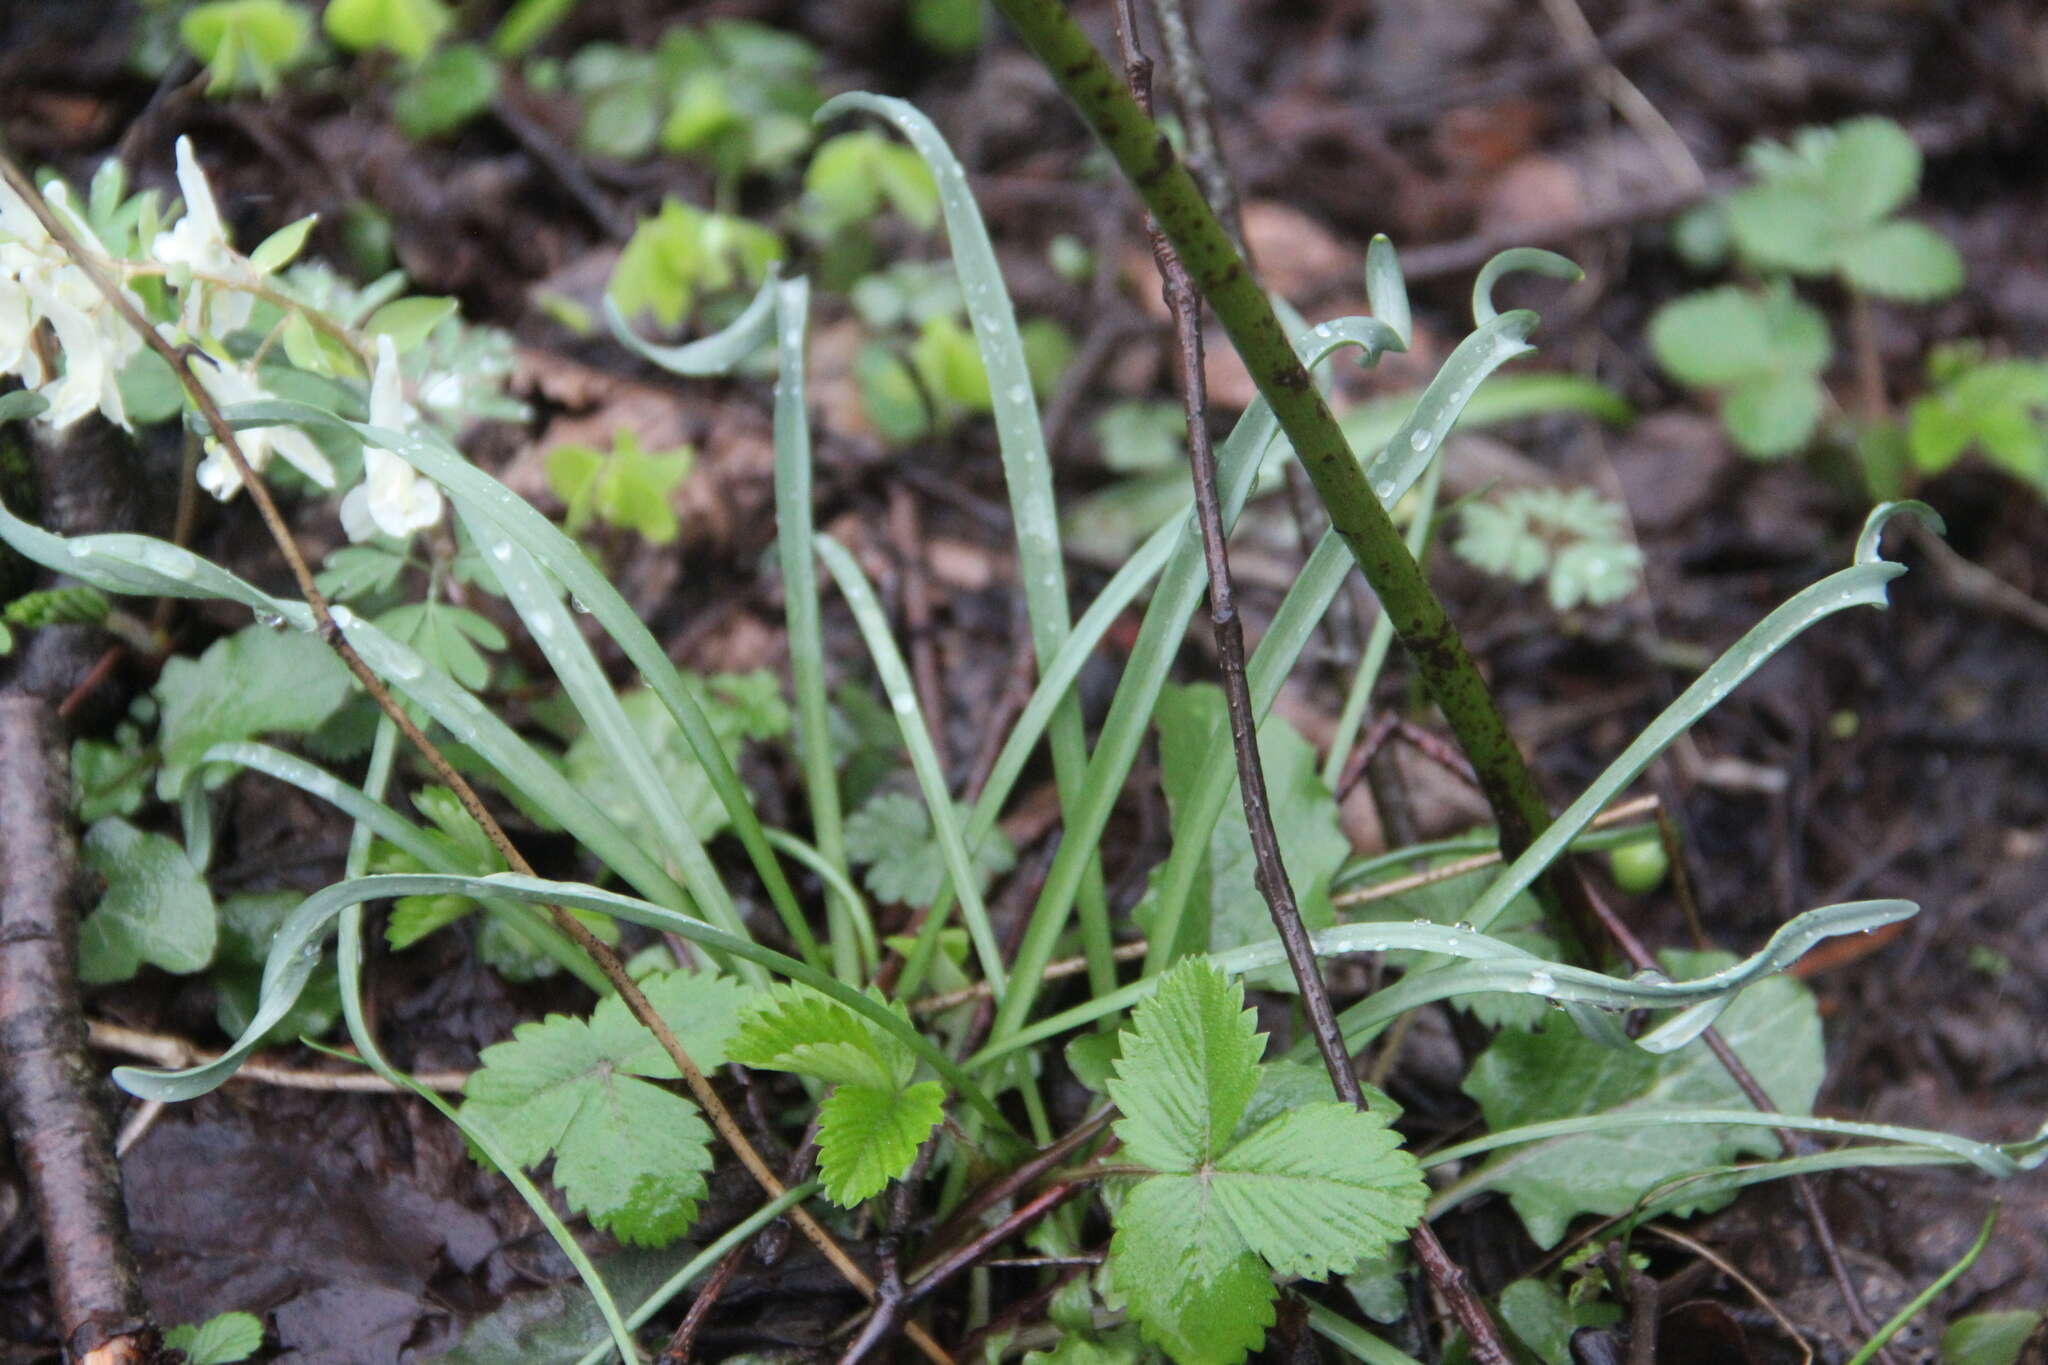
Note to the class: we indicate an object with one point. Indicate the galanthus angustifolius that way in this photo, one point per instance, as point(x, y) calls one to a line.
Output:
point(39, 282)
point(392, 500)
point(230, 385)
point(200, 258)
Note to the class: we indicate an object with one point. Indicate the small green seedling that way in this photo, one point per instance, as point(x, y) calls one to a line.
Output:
point(409, 28)
point(246, 44)
point(221, 1340)
point(1998, 406)
point(1761, 352)
point(625, 487)
point(1572, 539)
point(684, 253)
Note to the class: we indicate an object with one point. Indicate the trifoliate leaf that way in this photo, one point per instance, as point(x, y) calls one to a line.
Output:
point(1192, 721)
point(447, 637)
point(1722, 337)
point(2000, 405)
point(1773, 417)
point(221, 1340)
point(1782, 227)
point(683, 252)
point(892, 835)
point(408, 27)
point(628, 1153)
point(109, 779)
point(1573, 537)
point(255, 682)
point(1189, 1067)
point(875, 1119)
point(156, 909)
point(852, 176)
point(1558, 1073)
point(1320, 1188)
point(1900, 260)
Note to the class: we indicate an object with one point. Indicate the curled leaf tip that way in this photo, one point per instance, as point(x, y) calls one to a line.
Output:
point(1533, 260)
point(1869, 544)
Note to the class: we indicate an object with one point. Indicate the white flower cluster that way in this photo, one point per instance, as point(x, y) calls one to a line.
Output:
point(215, 287)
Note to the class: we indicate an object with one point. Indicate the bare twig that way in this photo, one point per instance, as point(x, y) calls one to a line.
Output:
point(1618, 814)
point(1444, 1274)
point(51, 1091)
point(180, 360)
point(168, 1050)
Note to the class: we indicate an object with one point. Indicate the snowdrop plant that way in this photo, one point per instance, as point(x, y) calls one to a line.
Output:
point(252, 325)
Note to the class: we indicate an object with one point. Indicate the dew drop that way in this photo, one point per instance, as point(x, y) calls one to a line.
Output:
point(1465, 926)
point(502, 552)
point(1018, 393)
point(1419, 441)
point(577, 603)
point(1542, 982)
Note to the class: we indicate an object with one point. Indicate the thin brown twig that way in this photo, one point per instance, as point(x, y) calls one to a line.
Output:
point(1620, 813)
point(172, 1051)
point(1726, 1267)
point(608, 962)
point(1445, 1275)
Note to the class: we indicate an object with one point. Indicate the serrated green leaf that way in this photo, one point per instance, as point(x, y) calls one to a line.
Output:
point(408, 27)
point(795, 1028)
point(156, 908)
point(892, 836)
point(868, 1136)
point(1573, 536)
point(1901, 260)
point(1189, 1067)
point(109, 779)
point(255, 682)
point(220, 1340)
point(1184, 1273)
point(247, 924)
point(629, 1154)
point(1775, 417)
point(1527, 1078)
point(1320, 1189)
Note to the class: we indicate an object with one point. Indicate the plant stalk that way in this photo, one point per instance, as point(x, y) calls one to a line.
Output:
point(1219, 274)
point(1270, 870)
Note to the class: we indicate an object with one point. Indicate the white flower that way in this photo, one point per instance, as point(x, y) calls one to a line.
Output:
point(198, 242)
point(217, 473)
point(392, 500)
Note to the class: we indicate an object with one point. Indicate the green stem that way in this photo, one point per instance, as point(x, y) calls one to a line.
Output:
point(1418, 617)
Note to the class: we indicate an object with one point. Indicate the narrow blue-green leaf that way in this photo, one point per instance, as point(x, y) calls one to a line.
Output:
point(473, 489)
point(1535, 260)
point(1493, 964)
point(1178, 595)
point(860, 920)
point(1862, 584)
point(709, 355)
point(1348, 1336)
point(1027, 473)
point(1416, 441)
point(1386, 289)
point(924, 760)
point(144, 565)
point(548, 621)
point(296, 948)
point(349, 969)
point(793, 530)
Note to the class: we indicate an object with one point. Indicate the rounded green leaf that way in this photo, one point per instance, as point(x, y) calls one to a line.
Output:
point(1782, 227)
point(447, 91)
point(1870, 169)
point(1712, 339)
point(1772, 418)
point(1900, 260)
point(245, 42)
point(408, 27)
